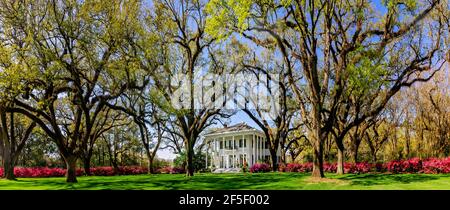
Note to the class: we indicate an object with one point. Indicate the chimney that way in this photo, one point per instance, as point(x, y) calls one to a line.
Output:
point(225, 125)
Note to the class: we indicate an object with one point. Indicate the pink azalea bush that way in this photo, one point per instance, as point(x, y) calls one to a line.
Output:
point(171, 170)
point(132, 170)
point(103, 171)
point(178, 170)
point(260, 167)
point(435, 165)
point(165, 170)
point(297, 167)
point(60, 172)
point(328, 167)
point(282, 167)
point(357, 168)
point(413, 165)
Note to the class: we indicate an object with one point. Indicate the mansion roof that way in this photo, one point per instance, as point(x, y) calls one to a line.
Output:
point(240, 127)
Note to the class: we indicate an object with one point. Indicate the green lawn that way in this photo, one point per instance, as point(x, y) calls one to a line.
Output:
point(270, 181)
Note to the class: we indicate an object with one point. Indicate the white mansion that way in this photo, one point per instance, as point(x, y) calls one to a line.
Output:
point(232, 146)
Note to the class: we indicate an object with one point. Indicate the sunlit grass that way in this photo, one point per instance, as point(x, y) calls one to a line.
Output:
point(269, 181)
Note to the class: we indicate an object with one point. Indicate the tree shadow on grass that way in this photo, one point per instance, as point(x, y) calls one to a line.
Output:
point(210, 182)
point(168, 182)
point(387, 179)
point(207, 182)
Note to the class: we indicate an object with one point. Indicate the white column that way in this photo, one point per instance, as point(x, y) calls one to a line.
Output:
point(243, 151)
point(257, 148)
point(260, 149)
point(233, 159)
point(263, 146)
point(228, 161)
point(206, 157)
point(253, 149)
point(223, 148)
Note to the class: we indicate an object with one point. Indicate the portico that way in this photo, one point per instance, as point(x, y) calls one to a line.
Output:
point(231, 147)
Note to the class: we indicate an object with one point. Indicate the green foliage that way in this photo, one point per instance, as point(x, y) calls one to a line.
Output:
point(409, 4)
point(199, 161)
point(226, 16)
point(366, 72)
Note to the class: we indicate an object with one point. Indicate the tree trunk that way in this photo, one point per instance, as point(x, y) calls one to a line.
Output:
point(115, 167)
point(355, 153)
point(419, 143)
point(71, 164)
point(8, 165)
point(150, 166)
point(283, 156)
point(318, 158)
point(190, 164)
point(273, 153)
point(374, 157)
point(5, 147)
point(151, 169)
point(318, 152)
point(318, 164)
point(189, 160)
point(87, 166)
point(340, 162)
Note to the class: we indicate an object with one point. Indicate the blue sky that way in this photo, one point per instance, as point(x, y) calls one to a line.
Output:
point(237, 118)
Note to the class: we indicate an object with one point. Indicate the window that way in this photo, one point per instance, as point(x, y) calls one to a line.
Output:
point(230, 144)
point(240, 143)
point(221, 144)
point(245, 143)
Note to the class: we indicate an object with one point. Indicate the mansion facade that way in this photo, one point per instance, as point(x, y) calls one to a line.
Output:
point(230, 147)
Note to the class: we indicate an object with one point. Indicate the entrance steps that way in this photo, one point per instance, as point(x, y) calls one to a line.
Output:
point(227, 170)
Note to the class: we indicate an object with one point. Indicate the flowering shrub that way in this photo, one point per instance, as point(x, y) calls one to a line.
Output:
point(103, 171)
point(260, 167)
point(413, 165)
point(165, 170)
point(297, 167)
point(434, 165)
point(281, 167)
point(39, 172)
point(293, 167)
point(329, 167)
point(132, 170)
point(178, 170)
point(172, 170)
point(379, 167)
point(357, 168)
point(59, 172)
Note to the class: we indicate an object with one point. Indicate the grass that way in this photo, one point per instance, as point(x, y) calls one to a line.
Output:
point(269, 181)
